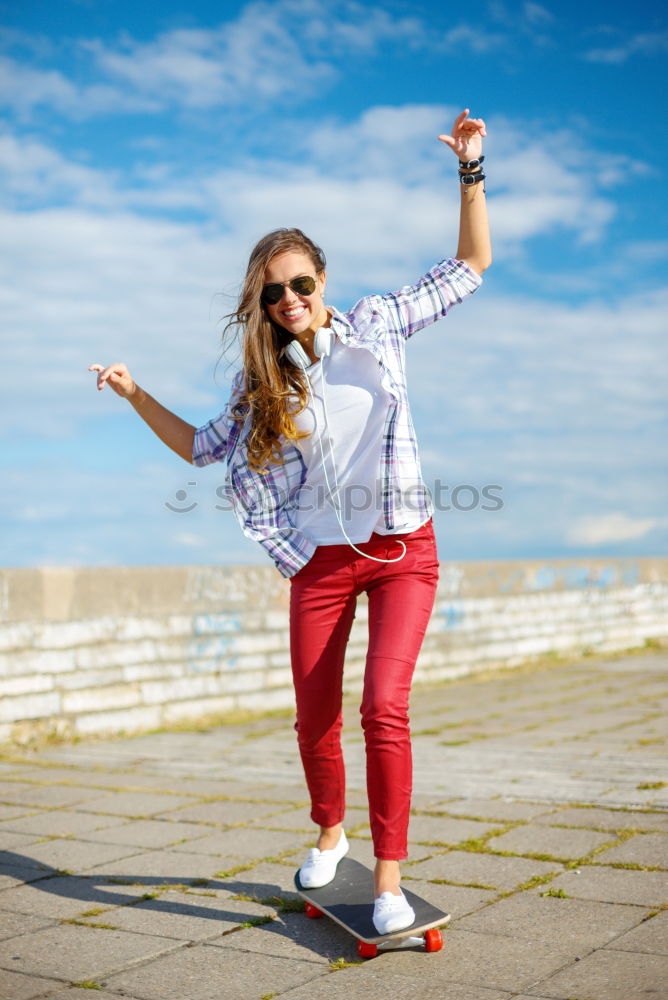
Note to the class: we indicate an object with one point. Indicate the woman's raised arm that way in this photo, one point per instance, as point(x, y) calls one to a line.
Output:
point(174, 432)
point(474, 246)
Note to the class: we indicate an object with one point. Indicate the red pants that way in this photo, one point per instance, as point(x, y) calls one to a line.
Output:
point(322, 607)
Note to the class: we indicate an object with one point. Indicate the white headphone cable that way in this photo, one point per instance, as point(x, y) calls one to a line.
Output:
point(337, 509)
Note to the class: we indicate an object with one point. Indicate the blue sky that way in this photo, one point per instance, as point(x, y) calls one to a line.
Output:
point(144, 149)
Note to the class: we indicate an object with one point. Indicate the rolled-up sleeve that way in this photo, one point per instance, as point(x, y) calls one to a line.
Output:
point(443, 286)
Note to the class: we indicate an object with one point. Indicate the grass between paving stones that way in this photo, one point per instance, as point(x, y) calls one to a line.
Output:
point(531, 883)
point(88, 923)
point(630, 866)
point(342, 963)
point(458, 885)
point(284, 904)
point(257, 921)
point(87, 984)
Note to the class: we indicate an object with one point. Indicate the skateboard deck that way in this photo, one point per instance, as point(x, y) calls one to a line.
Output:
point(348, 900)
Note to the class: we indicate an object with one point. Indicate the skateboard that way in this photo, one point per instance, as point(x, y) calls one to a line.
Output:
point(348, 900)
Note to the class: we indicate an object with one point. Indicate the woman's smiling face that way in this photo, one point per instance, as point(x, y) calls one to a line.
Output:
point(295, 313)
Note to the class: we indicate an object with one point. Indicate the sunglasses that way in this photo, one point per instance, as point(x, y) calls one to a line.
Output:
point(304, 285)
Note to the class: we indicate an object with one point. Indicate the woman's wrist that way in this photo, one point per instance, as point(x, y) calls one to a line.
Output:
point(137, 397)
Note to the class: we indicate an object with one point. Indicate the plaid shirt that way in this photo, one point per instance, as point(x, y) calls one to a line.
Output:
point(378, 323)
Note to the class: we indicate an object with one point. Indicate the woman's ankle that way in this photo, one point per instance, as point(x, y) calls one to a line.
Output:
point(329, 837)
point(386, 877)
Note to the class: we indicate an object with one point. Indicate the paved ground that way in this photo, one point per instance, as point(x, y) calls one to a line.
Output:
point(160, 867)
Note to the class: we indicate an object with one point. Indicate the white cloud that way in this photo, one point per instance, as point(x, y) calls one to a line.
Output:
point(613, 527)
point(641, 44)
point(32, 173)
point(476, 39)
point(107, 276)
point(254, 58)
point(24, 88)
point(537, 15)
point(289, 49)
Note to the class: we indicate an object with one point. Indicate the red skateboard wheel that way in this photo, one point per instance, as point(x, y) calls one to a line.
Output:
point(433, 939)
point(313, 911)
point(366, 950)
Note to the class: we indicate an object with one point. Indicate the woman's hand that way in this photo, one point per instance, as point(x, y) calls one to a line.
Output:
point(118, 377)
point(466, 139)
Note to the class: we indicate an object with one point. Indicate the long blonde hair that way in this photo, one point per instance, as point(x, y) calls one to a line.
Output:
point(271, 381)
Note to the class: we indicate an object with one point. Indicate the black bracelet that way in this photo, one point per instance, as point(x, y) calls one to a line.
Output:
point(474, 178)
point(471, 164)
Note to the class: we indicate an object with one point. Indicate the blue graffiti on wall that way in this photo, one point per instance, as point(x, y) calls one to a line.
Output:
point(214, 644)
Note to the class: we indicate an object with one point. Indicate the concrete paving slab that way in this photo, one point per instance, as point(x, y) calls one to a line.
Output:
point(499, 810)
point(263, 881)
point(76, 953)
point(12, 841)
point(578, 925)
point(68, 896)
point(61, 822)
point(248, 844)
point(360, 983)
point(198, 972)
point(295, 936)
point(165, 866)
point(7, 788)
point(16, 986)
point(149, 833)
point(361, 849)
point(566, 845)
point(128, 780)
point(651, 937)
point(249, 790)
point(8, 812)
point(43, 773)
point(75, 856)
point(135, 804)
point(80, 993)
point(456, 900)
point(484, 960)
point(52, 796)
point(13, 924)
point(606, 819)
point(486, 870)
point(445, 831)
point(650, 849)
point(182, 916)
point(613, 885)
point(636, 797)
point(19, 863)
point(223, 813)
point(610, 975)
point(299, 820)
point(223, 788)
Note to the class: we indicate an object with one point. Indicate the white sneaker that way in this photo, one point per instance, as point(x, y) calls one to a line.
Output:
point(392, 913)
point(320, 866)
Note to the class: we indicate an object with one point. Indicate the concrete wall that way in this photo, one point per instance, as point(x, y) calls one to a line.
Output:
point(108, 650)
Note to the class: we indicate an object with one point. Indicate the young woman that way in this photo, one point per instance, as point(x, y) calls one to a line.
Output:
point(324, 472)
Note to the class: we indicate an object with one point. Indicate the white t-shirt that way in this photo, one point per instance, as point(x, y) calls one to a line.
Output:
point(351, 420)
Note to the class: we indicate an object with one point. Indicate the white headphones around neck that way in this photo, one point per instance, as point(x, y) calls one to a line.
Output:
point(322, 348)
